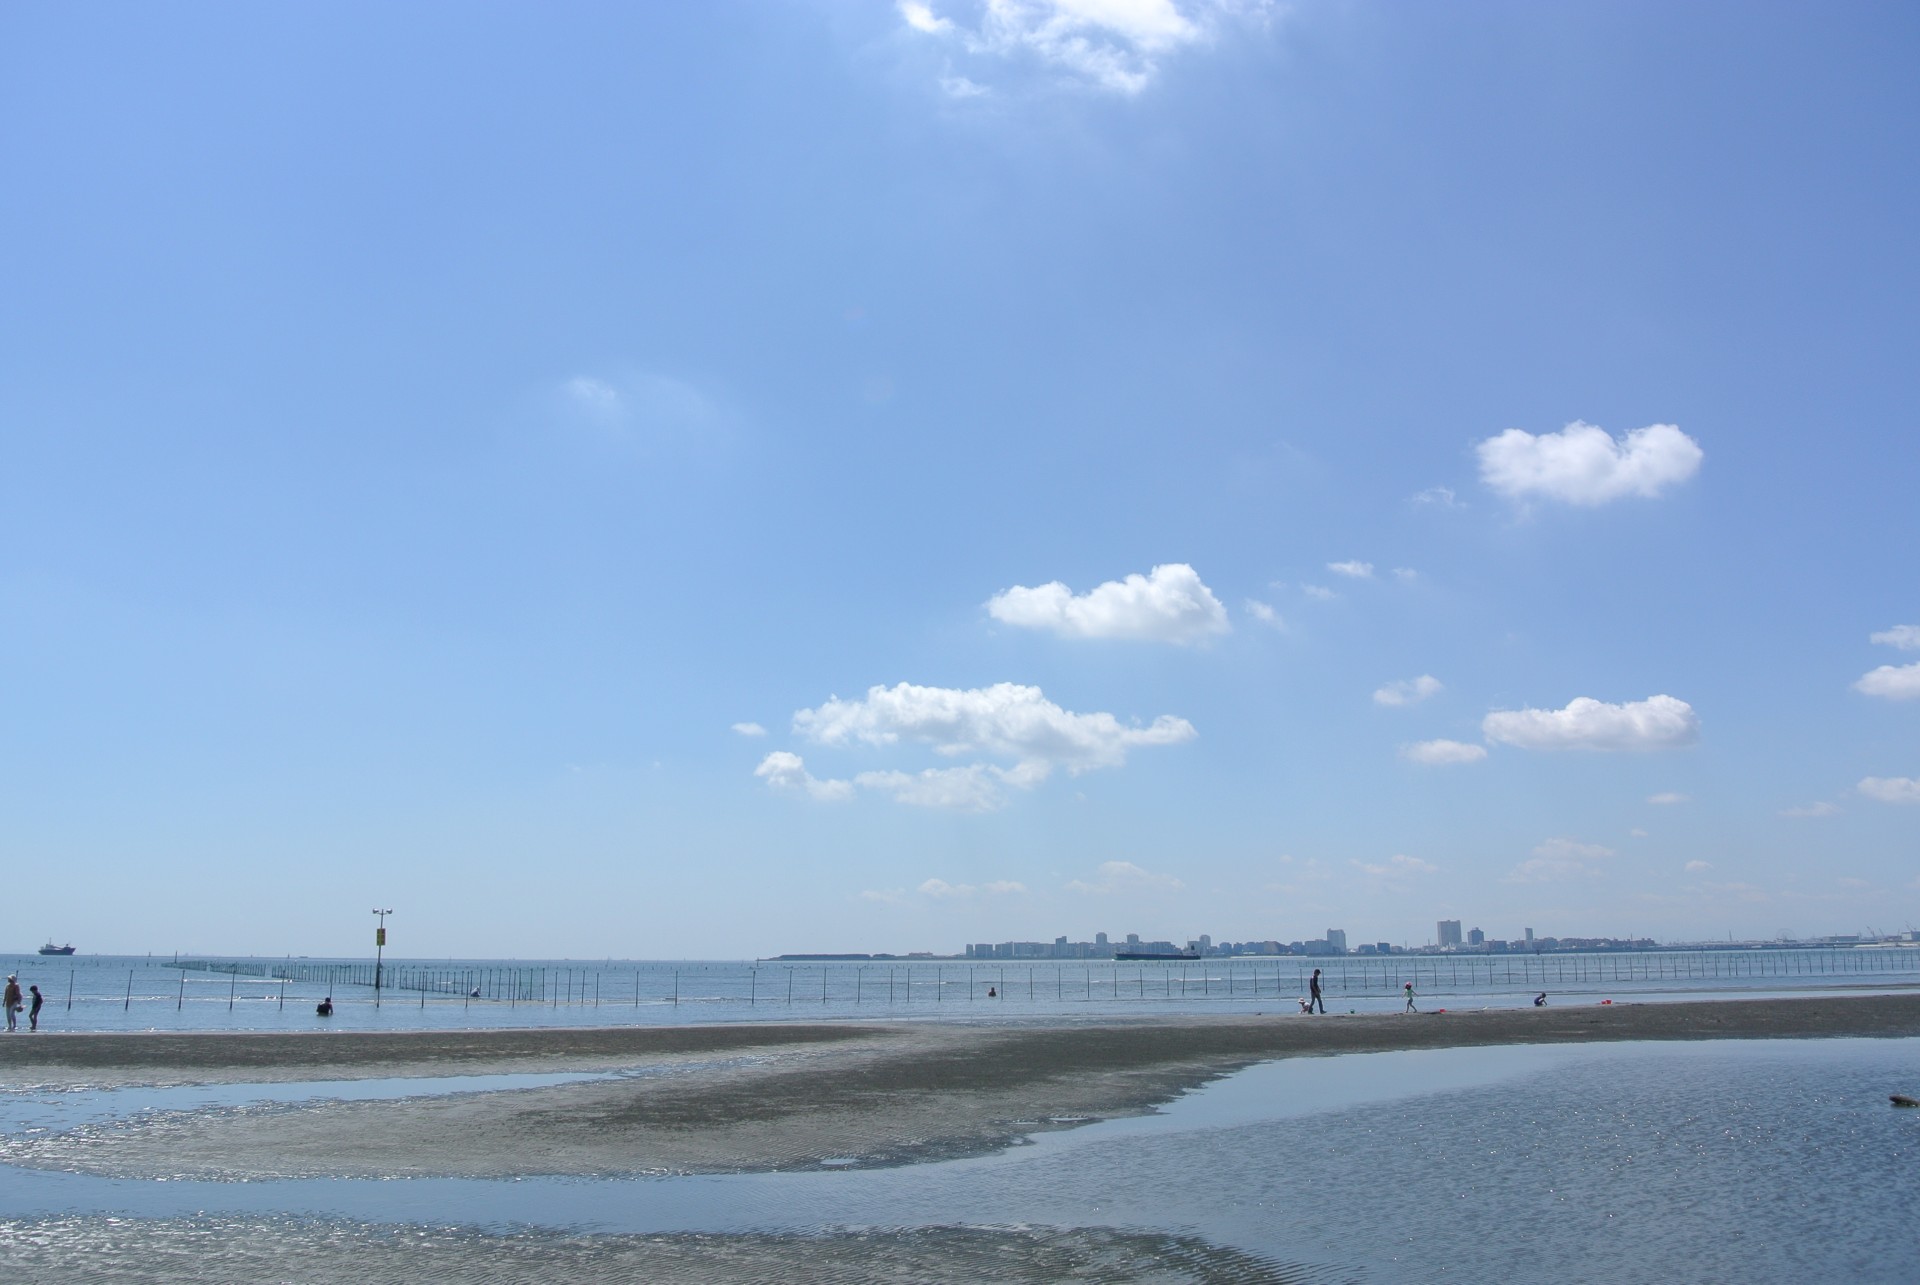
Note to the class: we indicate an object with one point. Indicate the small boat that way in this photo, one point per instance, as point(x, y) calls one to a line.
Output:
point(1902, 1100)
point(51, 949)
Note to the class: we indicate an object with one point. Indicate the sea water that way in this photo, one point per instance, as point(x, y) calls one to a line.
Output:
point(1710, 1161)
point(114, 993)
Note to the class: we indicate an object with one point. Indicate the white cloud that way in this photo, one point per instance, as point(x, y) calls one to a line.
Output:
point(1169, 604)
point(1392, 874)
point(1560, 859)
point(1891, 789)
point(1668, 798)
point(785, 771)
point(885, 896)
point(1405, 575)
point(595, 396)
point(921, 18)
point(1696, 867)
point(1637, 833)
point(1442, 752)
point(1905, 637)
point(1321, 592)
point(1407, 691)
point(1657, 723)
point(1440, 497)
point(1124, 876)
point(962, 88)
point(1265, 614)
point(1356, 569)
point(974, 788)
point(1007, 719)
point(1113, 45)
point(1582, 464)
point(1891, 682)
point(941, 889)
point(749, 729)
point(1820, 809)
point(657, 404)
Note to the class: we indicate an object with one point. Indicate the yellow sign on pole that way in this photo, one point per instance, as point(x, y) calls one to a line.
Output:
point(379, 936)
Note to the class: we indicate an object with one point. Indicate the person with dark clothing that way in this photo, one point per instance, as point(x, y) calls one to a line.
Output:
point(1313, 994)
point(33, 1013)
point(1540, 1000)
point(11, 999)
point(325, 1007)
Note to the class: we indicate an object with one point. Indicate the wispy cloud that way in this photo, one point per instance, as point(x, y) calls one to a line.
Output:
point(749, 729)
point(1442, 753)
point(1905, 637)
point(1407, 691)
point(1111, 45)
point(1354, 569)
point(1124, 876)
point(1582, 464)
point(1320, 592)
point(941, 890)
point(1559, 859)
point(1439, 497)
point(1263, 613)
point(1668, 798)
point(1820, 809)
point(787, 771)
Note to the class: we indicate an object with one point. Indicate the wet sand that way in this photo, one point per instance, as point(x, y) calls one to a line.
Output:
point(758, 1097)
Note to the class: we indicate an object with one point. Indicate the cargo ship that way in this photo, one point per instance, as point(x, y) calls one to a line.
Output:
point(51, 949)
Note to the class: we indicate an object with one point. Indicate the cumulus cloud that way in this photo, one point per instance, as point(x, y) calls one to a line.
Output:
point(1112, 45)
point(1668, 798)
point(1356, 569)
point(1905, 637)
point(1821, 809)
point(1582, 464)
point(1891, 682)
point(1656, 723)
point(1169, 604)
point(1442, 753)
point(749, 729)
point(1124, 876)
point(1407, 691)
point(785, 771)
point(1891, 789)
point(1007, 719)
point(1560, 859)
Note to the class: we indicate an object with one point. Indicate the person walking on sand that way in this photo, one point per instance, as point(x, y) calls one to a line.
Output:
point(11, 998)
point(1313, 994)
point(33, 1014)
point(1410, 1008)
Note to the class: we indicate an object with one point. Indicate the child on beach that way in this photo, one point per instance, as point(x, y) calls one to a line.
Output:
point(33, 1014)
point(1410, 1007)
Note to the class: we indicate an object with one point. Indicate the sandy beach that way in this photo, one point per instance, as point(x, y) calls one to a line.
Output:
point(740, 1098)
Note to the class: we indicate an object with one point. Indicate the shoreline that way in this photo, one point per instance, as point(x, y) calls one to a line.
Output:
point(773, 1096)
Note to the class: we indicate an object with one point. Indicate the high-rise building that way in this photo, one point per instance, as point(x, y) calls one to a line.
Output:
point(1529, 936)
point(1449, 933)
point(1337, 938)
point(1475, 937)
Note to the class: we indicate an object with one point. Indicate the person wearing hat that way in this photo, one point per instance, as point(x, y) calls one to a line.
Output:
point(12, 1000)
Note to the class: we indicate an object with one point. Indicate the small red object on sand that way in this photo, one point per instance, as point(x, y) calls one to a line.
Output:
point(1606, 1001)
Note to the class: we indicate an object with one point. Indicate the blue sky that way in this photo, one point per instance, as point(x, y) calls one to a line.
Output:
point(721, 479)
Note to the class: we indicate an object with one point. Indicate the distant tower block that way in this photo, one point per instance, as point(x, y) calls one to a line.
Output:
point(1449, 933)
point(1337, 939)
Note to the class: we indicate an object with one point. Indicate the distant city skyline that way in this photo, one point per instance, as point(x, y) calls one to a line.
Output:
point(707, 478)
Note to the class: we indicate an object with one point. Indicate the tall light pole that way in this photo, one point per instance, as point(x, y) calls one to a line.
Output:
point(379, 950)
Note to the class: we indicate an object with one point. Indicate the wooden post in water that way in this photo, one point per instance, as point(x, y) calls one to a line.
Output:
point(70, 972)
point(823, 985)
point(177, 1004)
point(283, 994)
point(676, 988)
point(233, 982)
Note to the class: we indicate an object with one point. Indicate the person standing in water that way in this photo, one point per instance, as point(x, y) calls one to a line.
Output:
point(11, 998)
point(1313, 994)
point(1410, 1007)
point(33, 1014)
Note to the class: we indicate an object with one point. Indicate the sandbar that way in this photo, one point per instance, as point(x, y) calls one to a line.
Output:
point(767, 1096)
